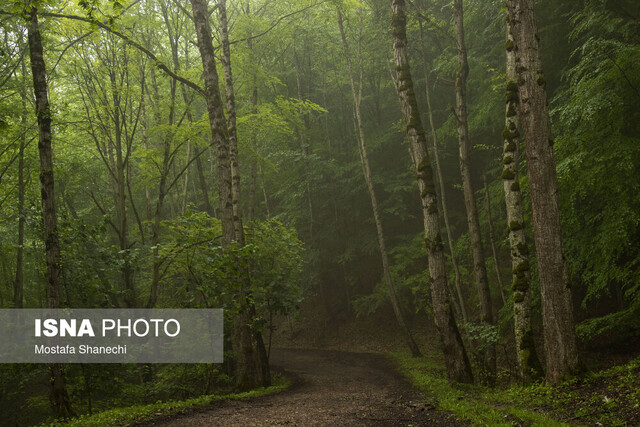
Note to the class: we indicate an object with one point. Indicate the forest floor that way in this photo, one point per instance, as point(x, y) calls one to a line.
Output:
point(330, 388)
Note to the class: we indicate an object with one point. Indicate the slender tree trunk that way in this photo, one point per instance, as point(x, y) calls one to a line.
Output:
point(203, 187)
point(162, 189)
point(185, 184)
point(458, 368)
point(242, 323)
point(216, 117)
point(443, 200)
point(254, 111)
point(249, 373)
point(557, 310)
point(59, 398)
point(18, 286)
point(492, 242)
point(120, 191)
point(527, 358)
point(479, 266)
point(304, 143)
point(231, 122)
point(366, 169)
point(264, 192)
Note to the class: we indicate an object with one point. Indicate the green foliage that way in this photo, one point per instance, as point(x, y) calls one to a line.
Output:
point(475, 404)
point(598, 148)
point(144, 413)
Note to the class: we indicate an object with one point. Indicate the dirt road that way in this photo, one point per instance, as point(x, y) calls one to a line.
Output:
point(330, 388)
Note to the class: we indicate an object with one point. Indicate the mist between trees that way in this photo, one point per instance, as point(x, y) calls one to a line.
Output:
point(473, 161)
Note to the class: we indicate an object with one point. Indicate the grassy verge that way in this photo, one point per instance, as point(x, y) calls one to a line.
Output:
point(475, 404)
point(141, 413)
point(610, 397)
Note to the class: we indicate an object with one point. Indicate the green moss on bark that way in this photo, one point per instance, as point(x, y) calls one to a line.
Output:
point(508, 174)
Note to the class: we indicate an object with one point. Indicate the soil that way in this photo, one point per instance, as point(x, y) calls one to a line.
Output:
point(331, 388)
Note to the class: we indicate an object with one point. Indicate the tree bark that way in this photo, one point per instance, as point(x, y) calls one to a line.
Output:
point(457, 363)
point(479, 266)
point(557, 310)
point(366, 169)
point(526, 356)
point(217, 120)
point(492, 242)
point(443, 200)
point(251, 368)
point(18, 285)
point(59, 398)
point(231, 121)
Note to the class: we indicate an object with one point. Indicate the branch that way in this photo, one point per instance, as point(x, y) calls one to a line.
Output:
point(276, 23)
point(133, 43)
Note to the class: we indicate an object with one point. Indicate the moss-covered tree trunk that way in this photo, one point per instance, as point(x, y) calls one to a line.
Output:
point(527, 358)
point(479, 266)
point(457, 362)
point(557, 310)
point(366, 169)
point(58, 396)
point(443, 199)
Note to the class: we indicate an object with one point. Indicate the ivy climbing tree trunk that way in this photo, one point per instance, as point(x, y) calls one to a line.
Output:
point(366, 169)
point(557, 311)
point(479, 266)
point(59, 398)
point(457, 362)
point(527, 358)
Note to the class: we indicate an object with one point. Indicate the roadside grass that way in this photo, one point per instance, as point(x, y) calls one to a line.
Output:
point(610, 397)
point(137, 414)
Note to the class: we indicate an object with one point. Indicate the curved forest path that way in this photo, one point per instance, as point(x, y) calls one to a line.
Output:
point(331, 388)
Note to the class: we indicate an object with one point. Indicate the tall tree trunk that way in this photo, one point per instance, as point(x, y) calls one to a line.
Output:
point(59, 398)
point(492, 242)
point(443, 199)
point(479, 266)
point(217, 120)
point(304, 143)
point(162, 189)
point(119, 190)
point(527, 358)
point(366, 169)
point(18, 285)
point(557, 310)
point(231, 121)
point(251, 371)
point(458, 368)
point(243, 321)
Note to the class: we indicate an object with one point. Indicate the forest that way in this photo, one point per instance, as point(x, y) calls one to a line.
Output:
point(441, 196)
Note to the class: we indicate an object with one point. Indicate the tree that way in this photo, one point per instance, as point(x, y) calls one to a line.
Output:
point(527, 358)
point(366, 169)
point(60, 402)
point(458, 368)
point(250, 364)
point(443, 199)
point(557, 311)
point(479, 265)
